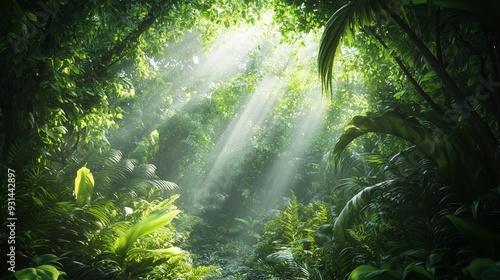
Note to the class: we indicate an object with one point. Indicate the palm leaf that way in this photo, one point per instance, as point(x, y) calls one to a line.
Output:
point(356, 205)
point(341, 24)
point(455, 154)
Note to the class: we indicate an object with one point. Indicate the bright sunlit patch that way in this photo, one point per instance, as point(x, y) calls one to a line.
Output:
point(237, 139)
point(282, 174)
point(196, 59)
point(289, 69)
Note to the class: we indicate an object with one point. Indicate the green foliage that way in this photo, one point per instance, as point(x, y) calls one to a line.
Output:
point(452, 153)
point(287, 246)
point(344, 20)
point(147, 225)
point(48, 268)
point(356, 205)
point(102, 239)
point(81, 81)
point(487, 242)
point(42, 272)
point(484, 269)
point(84, 186)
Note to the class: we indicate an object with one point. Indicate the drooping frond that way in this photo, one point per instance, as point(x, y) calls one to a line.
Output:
point(356, 205)
point(455, 154)
point(343, 23)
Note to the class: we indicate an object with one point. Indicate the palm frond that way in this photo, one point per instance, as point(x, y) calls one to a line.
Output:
point(356, 205)
point(342, 24)
point(145, 171)
point(455, 154)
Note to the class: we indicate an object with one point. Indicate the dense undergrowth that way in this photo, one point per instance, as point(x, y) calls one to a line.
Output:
point(165, 140)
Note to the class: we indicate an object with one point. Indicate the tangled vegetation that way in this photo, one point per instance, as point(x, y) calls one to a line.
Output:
point(168, 140)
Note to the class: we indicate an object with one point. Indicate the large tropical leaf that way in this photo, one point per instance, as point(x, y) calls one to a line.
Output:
point(84, 186)
point(485, 240)
point(484, 269)
point(356, 205)
point(42, 272)
point(145, 226)
point(342, 23)
point(456, 154)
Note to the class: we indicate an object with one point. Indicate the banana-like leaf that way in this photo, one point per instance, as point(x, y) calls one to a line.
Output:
point(42, 272)
point(484, 269)
point(172, 251)
point(456, 155)
point(84, 186)
point(485, 240)
point(355, 206)
point(145, 226)
point(368, 272)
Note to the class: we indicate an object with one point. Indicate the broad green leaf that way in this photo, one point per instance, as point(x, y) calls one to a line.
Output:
point(43, 272)
point(484, 269)
point(487, 241)
point(169, 251)
point(367, 272)
point(84, 186)
point(416, 271)
point(355, 206)
point(145, 226)
point(31, 16)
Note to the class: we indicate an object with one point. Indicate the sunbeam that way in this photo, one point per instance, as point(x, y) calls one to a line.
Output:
point(280, 178)
point(236, 141)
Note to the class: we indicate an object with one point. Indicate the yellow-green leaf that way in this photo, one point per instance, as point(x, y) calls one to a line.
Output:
point(31, 16)
point(84, 186)
point(42, 272)
point(145, 226)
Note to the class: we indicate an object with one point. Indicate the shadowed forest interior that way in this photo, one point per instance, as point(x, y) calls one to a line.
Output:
point(267, 139)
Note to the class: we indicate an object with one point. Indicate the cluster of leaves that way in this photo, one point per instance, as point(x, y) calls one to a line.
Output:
point(428, 187)
point(418, 200)
point(288, 247)
point(414, 213)
point(63, 65)
point(117, 224)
